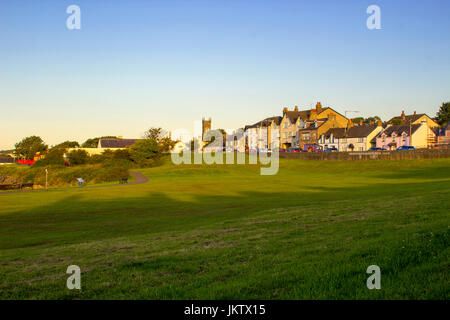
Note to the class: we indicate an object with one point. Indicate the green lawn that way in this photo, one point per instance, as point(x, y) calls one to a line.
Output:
point(226, 232)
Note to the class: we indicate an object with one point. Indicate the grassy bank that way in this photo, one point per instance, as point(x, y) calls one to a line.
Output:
point(62, 176)
point(225, 231)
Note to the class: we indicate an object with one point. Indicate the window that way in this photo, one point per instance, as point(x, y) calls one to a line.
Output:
point(285, 125)
point(305, 136)
point(360, 139)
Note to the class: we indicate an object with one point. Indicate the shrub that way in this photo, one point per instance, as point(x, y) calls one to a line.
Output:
point(77, 157)
point(55, 156)
point(144, 150)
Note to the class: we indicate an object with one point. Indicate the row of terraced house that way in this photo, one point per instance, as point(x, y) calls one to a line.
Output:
point(323, 128)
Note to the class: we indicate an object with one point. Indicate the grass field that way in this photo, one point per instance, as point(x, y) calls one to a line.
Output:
point(226, 232)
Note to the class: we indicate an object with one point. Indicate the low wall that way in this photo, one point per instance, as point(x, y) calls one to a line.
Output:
point(368, 155)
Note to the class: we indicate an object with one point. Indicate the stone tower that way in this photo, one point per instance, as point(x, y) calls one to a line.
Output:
point(206, 126)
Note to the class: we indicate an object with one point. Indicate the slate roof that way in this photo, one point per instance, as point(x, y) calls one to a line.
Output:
point(408, 118)
point(6, 160)
point(400, 129)
point(264, 123)
point(116, 143)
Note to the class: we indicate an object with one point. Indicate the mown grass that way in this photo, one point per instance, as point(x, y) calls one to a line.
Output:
point(226, 232)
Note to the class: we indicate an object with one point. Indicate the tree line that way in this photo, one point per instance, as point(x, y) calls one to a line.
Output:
point(144, 152)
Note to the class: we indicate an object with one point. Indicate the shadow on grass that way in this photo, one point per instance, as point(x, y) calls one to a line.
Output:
point(75, 220)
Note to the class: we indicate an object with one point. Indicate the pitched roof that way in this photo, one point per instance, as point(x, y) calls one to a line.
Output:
point(408, 118)
point(361, 131)
point(337, 132)
point(116, 143)
point(400, 129)
point(264, 123)
point(6, 160)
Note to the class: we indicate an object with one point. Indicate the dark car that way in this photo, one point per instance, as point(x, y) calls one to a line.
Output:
point(405, 148)
point(294, 150)
point(376, 149)
point(282, 150)
point(332, 149)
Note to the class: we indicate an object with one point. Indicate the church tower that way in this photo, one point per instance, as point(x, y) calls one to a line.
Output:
point(206, 126)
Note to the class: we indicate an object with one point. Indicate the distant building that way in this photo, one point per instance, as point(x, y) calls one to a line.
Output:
point(352, 138)
point(415, 118)
point(303, 128)
point(416, 135)
point(443, 138)
point(107, 144)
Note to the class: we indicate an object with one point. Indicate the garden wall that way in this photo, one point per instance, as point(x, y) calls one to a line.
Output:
point(369, 155)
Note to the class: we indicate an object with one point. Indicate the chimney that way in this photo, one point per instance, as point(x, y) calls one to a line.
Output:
point(403, 115)
point(361, 122)
point(319, 107)
point(285, 110)
point(349, 123)
point(379, 123)
point(414, 113)
point(296, 109)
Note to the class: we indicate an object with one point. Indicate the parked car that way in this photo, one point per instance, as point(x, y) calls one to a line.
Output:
point(376, 149)
point(332, 149)
point(282, 150)
point(405, 148)
point(294, 150)
point(312, 148)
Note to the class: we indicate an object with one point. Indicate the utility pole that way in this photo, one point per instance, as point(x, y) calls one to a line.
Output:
point(46, 179)
point(345, 113)
point(410, 135)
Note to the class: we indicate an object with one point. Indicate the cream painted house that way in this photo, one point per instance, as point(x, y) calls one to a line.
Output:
point(107, 144)
point(354, 138)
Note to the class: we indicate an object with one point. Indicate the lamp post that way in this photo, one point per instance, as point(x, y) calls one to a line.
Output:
point(46, 179)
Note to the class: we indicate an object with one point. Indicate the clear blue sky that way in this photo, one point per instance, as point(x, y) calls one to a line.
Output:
point(136, 64)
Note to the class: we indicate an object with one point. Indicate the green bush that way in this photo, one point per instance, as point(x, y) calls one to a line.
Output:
point(77, 157)
point(144, 151)
point(54, 156)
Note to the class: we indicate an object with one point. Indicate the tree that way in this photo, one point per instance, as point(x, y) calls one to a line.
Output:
point(93, 142)
point(156, 134)
point(397, 122)
point(443, 115)
point(77, 157)
point(29, 146)
point(67, 144)
point(166, 144)
point(54, 156)
point(142, 150)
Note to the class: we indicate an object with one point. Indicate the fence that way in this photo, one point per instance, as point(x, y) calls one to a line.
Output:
point(369, 155)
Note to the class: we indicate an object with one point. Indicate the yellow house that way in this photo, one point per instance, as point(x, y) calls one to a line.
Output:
point(305, 126)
